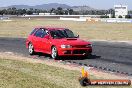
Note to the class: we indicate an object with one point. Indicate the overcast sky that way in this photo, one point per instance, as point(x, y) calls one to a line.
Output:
point(99, 4)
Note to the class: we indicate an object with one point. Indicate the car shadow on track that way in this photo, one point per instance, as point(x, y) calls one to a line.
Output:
point(68, 57)
point(81, 58)
point(38, 54)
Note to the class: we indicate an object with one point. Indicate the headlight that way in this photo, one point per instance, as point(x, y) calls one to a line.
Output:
point(89, 45)
point(66, 46)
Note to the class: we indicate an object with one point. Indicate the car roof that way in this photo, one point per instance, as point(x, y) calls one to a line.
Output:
point(50, 28)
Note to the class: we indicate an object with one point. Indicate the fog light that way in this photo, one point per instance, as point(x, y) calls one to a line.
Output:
point(67, 52)
point(89, 45)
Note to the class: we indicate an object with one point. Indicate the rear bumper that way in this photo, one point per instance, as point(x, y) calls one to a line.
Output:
point(74, 52)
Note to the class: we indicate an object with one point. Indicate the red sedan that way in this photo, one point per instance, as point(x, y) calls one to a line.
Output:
point(57, 42)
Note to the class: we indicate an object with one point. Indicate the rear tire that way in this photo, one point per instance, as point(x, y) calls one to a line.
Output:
point(31, 49)
point(54, 53)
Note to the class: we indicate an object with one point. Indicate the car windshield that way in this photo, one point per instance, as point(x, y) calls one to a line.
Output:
point(66, 33)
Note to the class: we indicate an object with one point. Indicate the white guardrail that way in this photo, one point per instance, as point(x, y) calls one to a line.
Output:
point(116, 20)
point(108, 20)
point(85, 18)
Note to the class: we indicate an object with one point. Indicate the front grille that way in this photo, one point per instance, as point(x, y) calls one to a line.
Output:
point(79, 52)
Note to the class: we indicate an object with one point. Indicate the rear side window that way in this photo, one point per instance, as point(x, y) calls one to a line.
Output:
point(33, 32)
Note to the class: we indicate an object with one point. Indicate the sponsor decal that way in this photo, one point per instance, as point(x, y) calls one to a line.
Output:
point(86, 81)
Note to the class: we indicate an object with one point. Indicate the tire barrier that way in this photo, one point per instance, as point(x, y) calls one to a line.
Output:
point(101, 68)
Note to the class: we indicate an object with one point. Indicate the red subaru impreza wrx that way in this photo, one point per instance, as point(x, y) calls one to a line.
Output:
point(57, 42)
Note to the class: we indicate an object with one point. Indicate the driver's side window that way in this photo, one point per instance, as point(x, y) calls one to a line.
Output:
point(40, 33)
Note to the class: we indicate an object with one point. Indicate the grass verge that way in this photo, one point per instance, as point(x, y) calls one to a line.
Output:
point(18, 74)
point(94, 31)
point(23, 73)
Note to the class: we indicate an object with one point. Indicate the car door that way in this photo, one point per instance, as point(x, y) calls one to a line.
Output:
point(41, 42)
point(37, 39)
point(47, 42)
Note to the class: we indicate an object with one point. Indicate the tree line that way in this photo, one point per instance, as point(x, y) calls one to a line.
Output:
point(57, 11)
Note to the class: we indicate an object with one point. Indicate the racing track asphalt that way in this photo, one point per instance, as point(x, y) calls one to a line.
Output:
point(112, 56)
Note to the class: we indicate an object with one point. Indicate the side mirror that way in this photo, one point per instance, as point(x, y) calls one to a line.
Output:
point(47, 36)
point(77, 36)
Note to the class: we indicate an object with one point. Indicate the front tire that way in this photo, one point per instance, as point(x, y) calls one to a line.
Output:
point(54, 52)
point(31, 49)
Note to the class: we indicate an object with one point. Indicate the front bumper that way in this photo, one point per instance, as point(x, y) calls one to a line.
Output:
point(74, 51)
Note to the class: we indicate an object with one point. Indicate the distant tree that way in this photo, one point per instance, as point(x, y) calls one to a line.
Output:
point(120, 16)
point(130, 12)
point(93, 12)
point(59, 11)
point(21, 11)
point(76, 13)
point(104, 16)
point(29, 12)
point(52, 10)
point(4, 12)
point(24, 11)
point(112, 12)
point(31, 9)
point(128, 16)
point(59, 8)
point(14, 10)
point(44, 11)
point(9, 11)
point(66, 12)
point(1, 12)
point(71, 11)
point(113, 16)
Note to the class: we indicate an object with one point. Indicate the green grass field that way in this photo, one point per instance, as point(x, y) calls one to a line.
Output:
point(99, 31)
point(20, 74)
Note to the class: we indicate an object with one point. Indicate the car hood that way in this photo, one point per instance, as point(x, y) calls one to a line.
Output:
point(70, 41)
